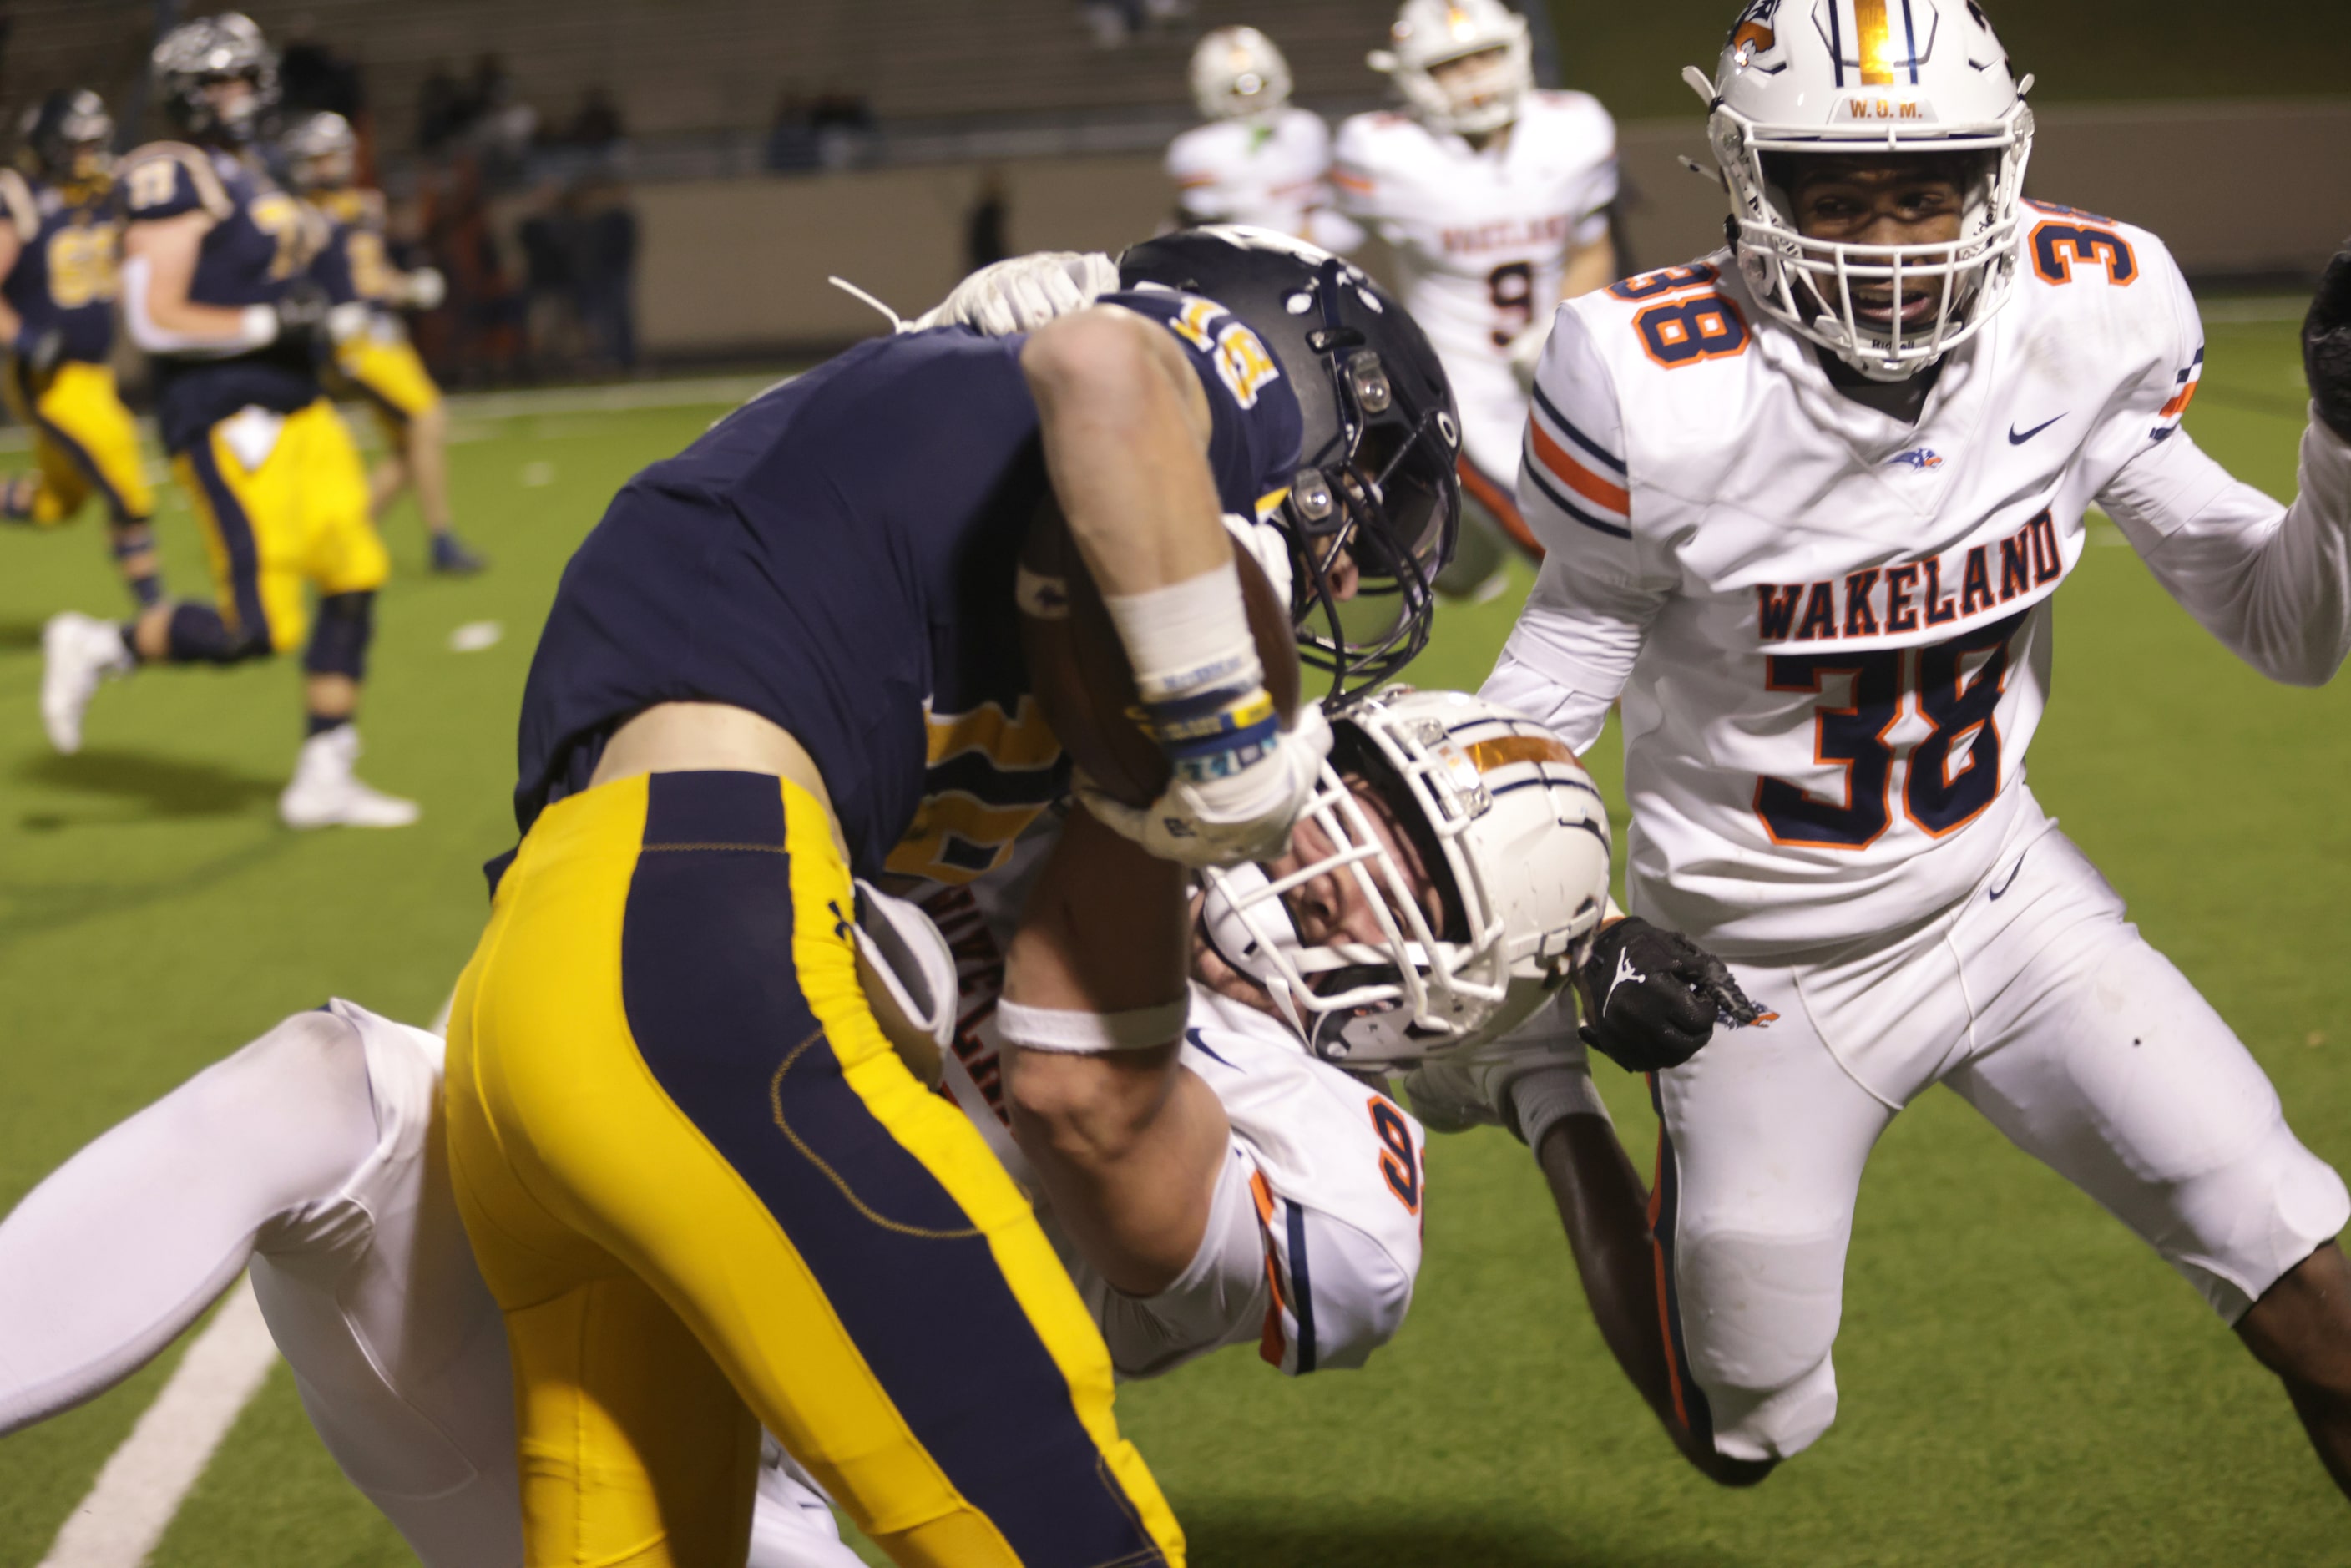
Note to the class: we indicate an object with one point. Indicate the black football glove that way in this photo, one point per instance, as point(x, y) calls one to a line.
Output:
point(301, 312)
point(2326, 345)
point(1651, 996)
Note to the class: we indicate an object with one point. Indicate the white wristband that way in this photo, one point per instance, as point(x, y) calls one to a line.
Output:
point(1187, 637)
point(1540, 1101)
point(1072, 1034)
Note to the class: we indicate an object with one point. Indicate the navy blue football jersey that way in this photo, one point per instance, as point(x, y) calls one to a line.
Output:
point(353, 264)
point(838, 555)
point(261, 241)
point(64, 277)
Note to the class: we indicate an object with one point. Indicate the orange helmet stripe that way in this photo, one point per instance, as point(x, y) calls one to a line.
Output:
point(1876, 38)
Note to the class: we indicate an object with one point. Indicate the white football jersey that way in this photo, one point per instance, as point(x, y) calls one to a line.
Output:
point(1831, 628)
point(1481, 237)
point(1334, 1166)
point(1273, 172)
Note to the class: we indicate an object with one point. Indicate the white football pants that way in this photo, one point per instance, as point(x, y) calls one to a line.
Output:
point(313, 1157)
point(2042, 1006)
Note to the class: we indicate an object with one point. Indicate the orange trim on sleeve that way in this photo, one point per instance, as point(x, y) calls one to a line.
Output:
point(1562, 466)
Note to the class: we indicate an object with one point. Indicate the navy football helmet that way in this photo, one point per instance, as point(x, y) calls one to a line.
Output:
point(1371, 513)
point(67, 136)
point(195, 55)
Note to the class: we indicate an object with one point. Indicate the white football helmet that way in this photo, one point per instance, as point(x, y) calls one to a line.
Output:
point(1429, 33)
point(1502, 818)
point(1803, 77)
point(1237, 73)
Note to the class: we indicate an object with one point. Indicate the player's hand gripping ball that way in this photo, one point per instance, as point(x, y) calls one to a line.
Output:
point(1079, 670)
point(2326, 345)
point(1651, 997)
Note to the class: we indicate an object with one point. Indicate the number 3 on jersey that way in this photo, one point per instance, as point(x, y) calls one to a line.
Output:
point(1954, 772)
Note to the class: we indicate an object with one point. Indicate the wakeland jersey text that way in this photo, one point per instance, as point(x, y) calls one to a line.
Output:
point(261, 240)
point(838, 555)
point(64, 279)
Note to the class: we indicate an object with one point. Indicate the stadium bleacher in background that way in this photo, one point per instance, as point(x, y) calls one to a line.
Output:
point(759, 147)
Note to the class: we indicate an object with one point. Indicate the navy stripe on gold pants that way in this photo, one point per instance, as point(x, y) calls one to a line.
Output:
point(707, 1194)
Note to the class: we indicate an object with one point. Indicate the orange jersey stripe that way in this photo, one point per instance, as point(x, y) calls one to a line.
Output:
point(2178, 405)
point(1562, 466)
point(1355, 183)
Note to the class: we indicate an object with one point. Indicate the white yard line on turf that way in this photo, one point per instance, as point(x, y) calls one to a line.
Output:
point(141, 1488)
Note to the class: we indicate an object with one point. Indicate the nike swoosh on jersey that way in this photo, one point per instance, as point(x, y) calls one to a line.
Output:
point(2016, 440)
point(2009, 880)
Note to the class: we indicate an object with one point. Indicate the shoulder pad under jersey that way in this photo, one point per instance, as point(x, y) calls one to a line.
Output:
point(166, 179)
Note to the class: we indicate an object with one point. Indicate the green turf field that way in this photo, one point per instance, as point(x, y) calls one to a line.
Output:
point(2022, 1382)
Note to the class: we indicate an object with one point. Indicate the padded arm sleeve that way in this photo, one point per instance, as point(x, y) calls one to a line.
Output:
point(2272, 582)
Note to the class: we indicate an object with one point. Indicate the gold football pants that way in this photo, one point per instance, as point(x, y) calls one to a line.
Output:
point(708, 1196)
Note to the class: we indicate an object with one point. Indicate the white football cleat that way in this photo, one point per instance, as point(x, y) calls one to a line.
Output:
point(326, 793)
point(77, 651)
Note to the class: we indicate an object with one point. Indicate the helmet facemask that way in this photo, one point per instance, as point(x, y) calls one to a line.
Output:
point(1942, 294)
point(1476, 848)
point(1372, 517)
point(1424, 984)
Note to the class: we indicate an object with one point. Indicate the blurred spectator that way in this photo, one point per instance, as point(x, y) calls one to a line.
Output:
point(844, 123)
point(313, 80)
point(606, 268)
point(485, 338)
point(443, 108)
point(983, 230)
point(1113, 23)
point(598, 124)
point(550, 242)
point(791, 135)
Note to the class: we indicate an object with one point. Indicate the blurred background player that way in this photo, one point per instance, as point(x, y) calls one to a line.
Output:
point(1494, 197)
point(215, 286)
point(1259, 159)
point(59, 236)
point(372, 356)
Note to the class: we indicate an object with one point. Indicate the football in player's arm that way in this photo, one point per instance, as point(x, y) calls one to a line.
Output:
point(1822, 487)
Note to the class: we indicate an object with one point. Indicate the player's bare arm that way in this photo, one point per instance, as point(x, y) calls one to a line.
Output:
point(1126, 1143)
point(1126, 427)
point(159, 261)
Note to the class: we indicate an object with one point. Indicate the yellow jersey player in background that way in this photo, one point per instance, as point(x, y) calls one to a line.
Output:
point(376, 360)
point(215, 286)
point(58, 237)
